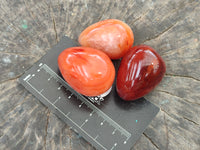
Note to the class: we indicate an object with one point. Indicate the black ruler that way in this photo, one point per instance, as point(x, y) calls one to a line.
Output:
point(112, 125)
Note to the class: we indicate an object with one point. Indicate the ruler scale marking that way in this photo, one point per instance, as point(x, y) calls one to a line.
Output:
point(66, 115)
point(83, 99)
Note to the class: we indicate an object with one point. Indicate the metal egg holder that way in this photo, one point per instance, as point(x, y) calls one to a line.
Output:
point(112, 125)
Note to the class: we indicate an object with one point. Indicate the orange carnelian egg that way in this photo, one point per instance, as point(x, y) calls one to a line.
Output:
point(112, 36)
point(87, 70)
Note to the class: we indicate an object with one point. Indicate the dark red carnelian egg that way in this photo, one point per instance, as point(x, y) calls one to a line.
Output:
point(87, 70)
point(112, 36)
point(140, 71)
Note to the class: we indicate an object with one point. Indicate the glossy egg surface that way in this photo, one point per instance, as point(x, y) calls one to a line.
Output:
point(140, 71)
point(112, 36)
point(87, 70)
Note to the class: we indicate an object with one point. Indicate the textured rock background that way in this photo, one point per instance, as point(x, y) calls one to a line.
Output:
point(28, 28)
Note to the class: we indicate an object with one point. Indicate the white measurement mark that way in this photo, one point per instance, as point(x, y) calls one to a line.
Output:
point(84, 123)
point(70, 96)
point(59, 87)
point(113, 146)
point(27, 77)
point(68, 113)
point(57, 99)
point(80, 105)
point(40, 65)
point(91, 113)
point(102, 123)
point(49, 78)
point(114, 131)
point(41, 91)
point(96, 137)
point(125, 142)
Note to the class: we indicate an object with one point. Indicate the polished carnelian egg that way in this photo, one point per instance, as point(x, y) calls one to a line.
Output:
point(112, 36)
point(140, 71)
point(87, 70)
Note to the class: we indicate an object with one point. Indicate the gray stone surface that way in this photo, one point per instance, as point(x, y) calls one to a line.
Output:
point(28, 28)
